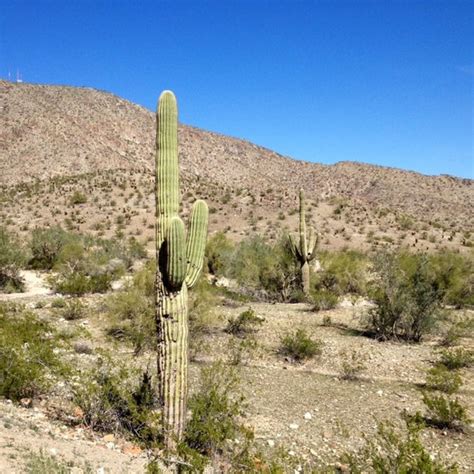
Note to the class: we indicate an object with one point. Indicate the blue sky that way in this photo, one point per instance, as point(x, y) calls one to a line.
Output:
point(383, 82)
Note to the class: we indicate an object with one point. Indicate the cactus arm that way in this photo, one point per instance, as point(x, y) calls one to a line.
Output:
point(175, 266)
point(196, 242)
point(295, 245)
point(167, 177)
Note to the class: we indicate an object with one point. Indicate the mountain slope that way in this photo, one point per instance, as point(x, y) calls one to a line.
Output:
point(58, 131)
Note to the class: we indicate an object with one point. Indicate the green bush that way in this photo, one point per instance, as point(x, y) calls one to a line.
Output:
point(131, 311)
point(407, 298)
point(12, 258)
point(462, 327)
point(266, 271)
point(444, 412)
point(29, 363)
point(245, 323)
point(455, 276)
point(46, 245)
point(299, 346)
point(458, 358)
point(117, 400)
point(218, 254)
point(393, 451)
point(352, 364)
point(323, 300)
point(78, 198)
point(73, 309)
point(216, 409)
point(342, 273)
point(440, 378)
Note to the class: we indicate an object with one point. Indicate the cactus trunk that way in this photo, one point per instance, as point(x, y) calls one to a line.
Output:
point(303, 246)
point(179, 263)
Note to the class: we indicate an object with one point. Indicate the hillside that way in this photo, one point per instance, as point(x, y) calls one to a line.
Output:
point(91, 140)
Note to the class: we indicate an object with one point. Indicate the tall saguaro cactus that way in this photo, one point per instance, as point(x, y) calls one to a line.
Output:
point(179, 262)
point(303, 246)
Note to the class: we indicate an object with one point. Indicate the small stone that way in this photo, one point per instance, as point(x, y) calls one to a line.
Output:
point(271, 443)
point(26, 402)
point(294, 426)
point(379, 393)
point(100, 470)
point(109, 438)
point(53, 451)
point(307, 416)
point(291, 453)
point(132, 450)
point(110, 445)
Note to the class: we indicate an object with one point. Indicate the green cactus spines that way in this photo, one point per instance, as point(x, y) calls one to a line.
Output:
point(303, 246)
point(179, 264)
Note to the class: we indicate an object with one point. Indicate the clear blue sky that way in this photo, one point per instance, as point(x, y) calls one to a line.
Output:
point(384, 82)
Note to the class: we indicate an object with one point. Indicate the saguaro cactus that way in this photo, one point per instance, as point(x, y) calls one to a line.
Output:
point(303, 246)
point(179, 263)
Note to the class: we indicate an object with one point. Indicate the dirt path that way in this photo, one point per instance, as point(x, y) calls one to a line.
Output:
point(36, 285)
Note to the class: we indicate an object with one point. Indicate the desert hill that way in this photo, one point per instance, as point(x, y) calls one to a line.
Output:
point(55, 140)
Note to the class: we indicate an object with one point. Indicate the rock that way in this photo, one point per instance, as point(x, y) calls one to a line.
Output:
point(132, 450)
point(109, 438)
point(307, 416)
point(294, 426)
point(379, 393)
point(110, 445)
point(53, 451)
point(271, 443)
point(26, 402)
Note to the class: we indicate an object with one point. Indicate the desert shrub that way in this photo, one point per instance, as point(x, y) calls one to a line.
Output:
point(440, 378)
point(131, 311)
point(217, 409)
point(73, 309)
point(323, 300)
point(41, 463)
point(455, 276)
point(58, 303)
point(87, 265)
point(218, 253)
point(12, 258)
point(342, 272)
point(299, 346)
point(118, 400)
point(395, 451)
point(266, 271)
point(462, 327)
point(352, 364)
point(240, 350)
point(202, 315)
point(444, 412)
point(46, 245)
point(78, 198)
point(29, 363)
point(245, 323)
point(457, 358)
point(406, 296)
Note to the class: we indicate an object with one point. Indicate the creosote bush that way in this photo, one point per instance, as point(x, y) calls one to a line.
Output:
point(118, 400)
point(245, 323)
point(444, 412)
point(12, 258)
point(131, 310)
point(457, 358)
point(29, 363)
point(443, 379)
point(299, 346)
point(407, 298)
point(393, 451)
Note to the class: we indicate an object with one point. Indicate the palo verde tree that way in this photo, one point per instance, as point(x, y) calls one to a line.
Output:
point(303, 246)
point(179, 262)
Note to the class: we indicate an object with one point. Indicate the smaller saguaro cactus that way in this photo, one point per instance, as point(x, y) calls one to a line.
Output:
point(303, 246)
